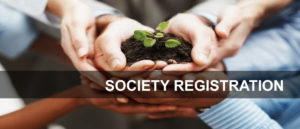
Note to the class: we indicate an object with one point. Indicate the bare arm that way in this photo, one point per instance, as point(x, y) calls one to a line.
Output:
point(39, 114)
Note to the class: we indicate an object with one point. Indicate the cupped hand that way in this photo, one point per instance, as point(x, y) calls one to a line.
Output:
point(115, 30)
point(78, 31)
point(198, 31)
point(236, 22)
point(194, 99)
point(89, 97)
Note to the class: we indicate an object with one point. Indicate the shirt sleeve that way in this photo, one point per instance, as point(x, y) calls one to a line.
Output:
point(36, 9)
point(29, 7)
point(238, 113)
point(100, 8)
point(210, 9)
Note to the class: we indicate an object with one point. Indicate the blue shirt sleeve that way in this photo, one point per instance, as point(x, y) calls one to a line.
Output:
point(238, 113)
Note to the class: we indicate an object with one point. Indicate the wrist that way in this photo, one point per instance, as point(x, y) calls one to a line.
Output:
point(104, 20)
point(69, 7)
point(76, 96)
point(255, 11)
point(205, 21)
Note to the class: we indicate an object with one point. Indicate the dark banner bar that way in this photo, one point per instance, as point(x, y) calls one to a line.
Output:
point(152, 84)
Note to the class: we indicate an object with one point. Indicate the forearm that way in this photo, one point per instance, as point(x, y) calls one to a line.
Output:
point(40, 113)
point(268, 7)
point(61, 7)
point(213, 7)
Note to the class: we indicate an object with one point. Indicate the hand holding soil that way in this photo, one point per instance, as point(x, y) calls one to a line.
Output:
point(115, 30)
point(157, 46)
point(187, 43)
point(199, 32)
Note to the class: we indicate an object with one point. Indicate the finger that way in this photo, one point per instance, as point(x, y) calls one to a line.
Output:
point(200, 35)
point(79, 40)
point(144, 108)
point(109, 43)
point(81, 65)
point(84, 80)
point(143, 65)
point(135, 69)
point(227, 22)
point(164, 115)
point(92, 37)
point(179, 69)
point(232, 44)
point(122, 100)
point(91, 73)
point(212, 70)
point(96, 86)
point(159, 65)
point(180, 112)
point(139, 108)
point(203, 43)
point(108, 53)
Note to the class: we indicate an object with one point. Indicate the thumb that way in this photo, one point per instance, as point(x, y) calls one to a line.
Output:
point(108, 54)
point(227, 22)
point(80, 41)
point(202, 47)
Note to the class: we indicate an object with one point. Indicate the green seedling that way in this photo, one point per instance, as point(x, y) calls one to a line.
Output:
point(141, 34)
point(149, 42)
point(159, 35)
point(162, 26)
point(146, 37)
point(172, 43)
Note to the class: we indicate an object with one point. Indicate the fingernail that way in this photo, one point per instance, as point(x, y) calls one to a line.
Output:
point(172, 108)
point(115, 64)
point(203, 58)
point(224, 32)
point(122, 100)
point(82, 52)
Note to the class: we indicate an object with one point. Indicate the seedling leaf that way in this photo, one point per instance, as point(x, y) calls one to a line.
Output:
point(172, 43)
point(141, 34)
point(159, 35)
point(147, 33)
point(149, 42)
point(162, 26)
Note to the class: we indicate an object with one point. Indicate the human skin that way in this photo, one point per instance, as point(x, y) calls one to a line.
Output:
point(236, 22)
point(45, 111)
point(78, 33)
point(234, 25)
point(233, 32)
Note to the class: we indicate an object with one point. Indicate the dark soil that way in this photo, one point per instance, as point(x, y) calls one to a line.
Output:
point(135, 51)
